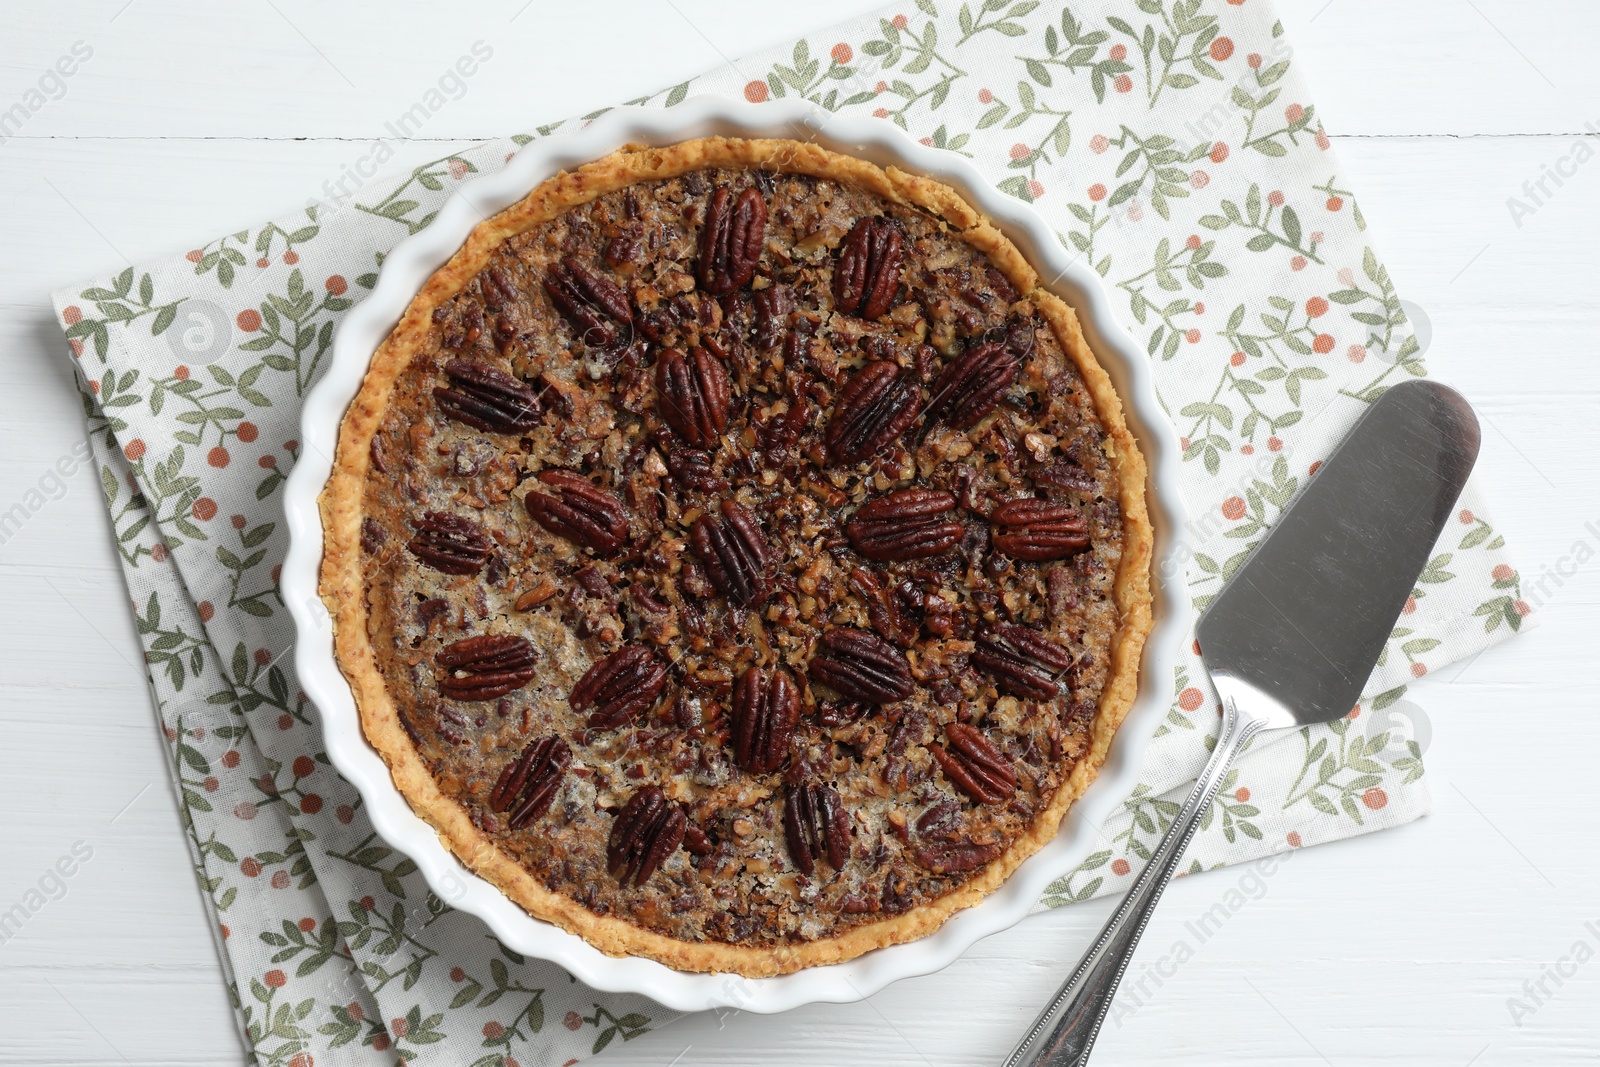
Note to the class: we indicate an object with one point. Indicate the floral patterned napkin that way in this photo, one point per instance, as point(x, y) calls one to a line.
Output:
point(1173, 146)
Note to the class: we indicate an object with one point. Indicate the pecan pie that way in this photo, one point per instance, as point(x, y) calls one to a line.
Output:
point(738, 556)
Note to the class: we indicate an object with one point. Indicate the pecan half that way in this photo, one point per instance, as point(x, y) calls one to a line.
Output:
point(529, 783)
point(692, 469)
point(498, 289)
point(939, 821)
point(971, 385)
point(594, 305)
point(731, 240)
point(766, 707)
point(1037, 530)
point(620, 686)
point(1064, 474)
point(772, 306)
point(487, 398)
point(779, 434)
point(1019, 338)
point(885, 608)
point(861, 666)
point(842, 713)
point(950, 857)
point(734, 552)
point(373, 535)
point(1023, 661)
point(905, 524)
point(693, 394)
point(622, 249)
point(647, 830)
point(450, 544)
point(975, 766)
point(816, 827)
point(485, 666)
point(580, 511)
point(867, 274)
point(873, 408)
point(696, 841)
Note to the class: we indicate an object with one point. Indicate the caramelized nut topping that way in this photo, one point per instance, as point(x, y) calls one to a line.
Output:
point(766, 707)
point(620, 687)
point(647, 830)
point(868, 272)
point(733, 551)
point(579, 511)
point(950, 857)
point(486, 398)
point(816, 827)
point(1039, 530)
point(861, 666)
point(595, 306)
point(730, 243)
point(529, 783)
point(693, 395)
point(773, 307)
point(975, 766)
point(971, 386)
point(877, 406)
point(486, 666)
point(1023, 662)
point(450, 544)
point(906, 524)
point(693, 469)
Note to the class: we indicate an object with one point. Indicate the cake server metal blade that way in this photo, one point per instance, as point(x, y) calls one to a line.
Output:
point(1303, 621)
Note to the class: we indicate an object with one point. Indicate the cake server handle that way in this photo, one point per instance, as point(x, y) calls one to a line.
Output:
point(1064, 1033)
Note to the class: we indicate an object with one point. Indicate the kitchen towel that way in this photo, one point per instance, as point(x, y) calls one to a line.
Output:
point(1172, 145)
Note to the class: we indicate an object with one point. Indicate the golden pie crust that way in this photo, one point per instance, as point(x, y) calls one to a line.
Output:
point(344, 591)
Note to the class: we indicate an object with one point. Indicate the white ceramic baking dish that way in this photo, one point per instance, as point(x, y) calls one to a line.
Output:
point(405, 271)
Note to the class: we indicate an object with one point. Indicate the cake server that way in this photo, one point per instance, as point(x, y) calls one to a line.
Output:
point(1291, 640)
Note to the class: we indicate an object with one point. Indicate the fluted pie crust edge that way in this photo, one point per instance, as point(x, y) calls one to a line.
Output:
point(343, 589)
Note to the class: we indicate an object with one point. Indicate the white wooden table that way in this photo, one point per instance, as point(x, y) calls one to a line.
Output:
point(1403, 947)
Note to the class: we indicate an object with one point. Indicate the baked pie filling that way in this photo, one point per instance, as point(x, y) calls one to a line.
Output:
point(737, 556)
